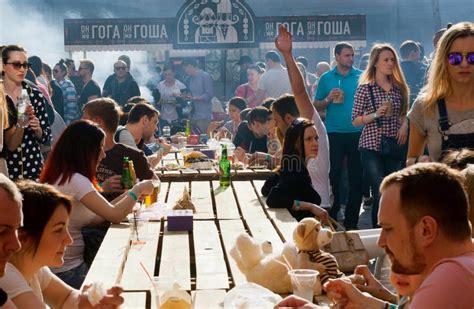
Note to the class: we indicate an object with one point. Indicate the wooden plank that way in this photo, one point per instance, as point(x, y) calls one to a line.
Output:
point(230, 230)
point(108, 263)
point(175, 260)
point(201, 197)
point(282, 218)
point(134, 300)
point(175, 191)
point(211, 270)
point(134, 277)
point(163, 192)
point(253, 213)
point(226, 205)
point(208, 299)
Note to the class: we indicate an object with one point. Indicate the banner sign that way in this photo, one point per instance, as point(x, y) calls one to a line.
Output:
point(119, 31)
point(314, 28)
point(215, 24)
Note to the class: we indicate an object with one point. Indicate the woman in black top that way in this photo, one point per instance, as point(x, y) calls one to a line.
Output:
point(293, 189)
point(24, 159)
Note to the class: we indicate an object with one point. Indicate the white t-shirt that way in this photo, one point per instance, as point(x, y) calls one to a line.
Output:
point(318, 168)
point(168, 108)
point(14, 284)
point(275, 82)
point(80, 216)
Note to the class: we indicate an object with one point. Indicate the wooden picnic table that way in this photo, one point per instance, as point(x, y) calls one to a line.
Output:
point(176, 158)
point(199, 260)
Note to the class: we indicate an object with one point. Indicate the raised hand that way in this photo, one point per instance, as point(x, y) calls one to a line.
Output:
point(284, 41)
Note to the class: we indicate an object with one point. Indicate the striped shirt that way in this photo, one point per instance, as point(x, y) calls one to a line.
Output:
point(371, 134)
point(71, 111)
point(328, 261)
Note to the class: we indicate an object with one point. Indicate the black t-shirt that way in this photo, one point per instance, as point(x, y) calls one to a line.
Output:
point(90, 90)
point(248, 141)
point(112, 164)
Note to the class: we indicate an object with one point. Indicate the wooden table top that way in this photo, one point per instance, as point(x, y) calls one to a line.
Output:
point(198, 260)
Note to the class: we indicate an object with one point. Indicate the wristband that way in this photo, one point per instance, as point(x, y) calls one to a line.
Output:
point(375, 115)
point(133, 195)
point(267, 157)
point(297, 204)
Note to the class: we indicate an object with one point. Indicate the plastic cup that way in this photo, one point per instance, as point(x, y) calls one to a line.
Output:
point(303, 282)
point(389, 111)
point(182, 140)
point(340, 98)
point(138, 229)
point(159, 286)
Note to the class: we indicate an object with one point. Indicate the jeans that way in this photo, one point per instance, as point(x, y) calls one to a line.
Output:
point(74, 277)
point(345, 145)
point(376, 167)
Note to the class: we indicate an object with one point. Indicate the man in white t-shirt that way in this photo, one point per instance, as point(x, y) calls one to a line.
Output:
point(275, 81)
point(10, 221)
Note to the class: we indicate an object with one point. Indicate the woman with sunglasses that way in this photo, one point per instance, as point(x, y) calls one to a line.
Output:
point(442, 117)
point(70, 168)
point(3, 124)
point(44, 237)
point(70, 109)
point(24, 144)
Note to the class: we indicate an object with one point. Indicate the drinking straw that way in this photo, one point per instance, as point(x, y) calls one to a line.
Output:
point(147, 273)
point(291, 268)
point(135, 224)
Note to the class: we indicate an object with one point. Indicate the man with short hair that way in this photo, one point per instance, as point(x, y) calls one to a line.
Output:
point(141, 126)
point(91, 89)
point(310, 77)
point(412, 68)
point(106, 113)
point(202, 92)
point(10, 221)
point(343, 136)
point(122, 86)
point(244, 63)
point(274, 82)
point(425, 231)
point(284, 111)
point(252, 134)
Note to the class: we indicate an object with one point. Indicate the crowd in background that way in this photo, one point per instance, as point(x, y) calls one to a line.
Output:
point(395, 110)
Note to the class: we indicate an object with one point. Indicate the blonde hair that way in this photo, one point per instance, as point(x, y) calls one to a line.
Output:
point(368, 76)
point(468, 173)
point(438, 85)
point(3, 100)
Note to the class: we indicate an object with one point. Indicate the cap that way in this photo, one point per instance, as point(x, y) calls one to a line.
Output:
point(244, 59)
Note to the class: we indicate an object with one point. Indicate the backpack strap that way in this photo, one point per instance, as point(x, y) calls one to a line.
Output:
point(443, 120)
point(372, 100)
point(117, 134)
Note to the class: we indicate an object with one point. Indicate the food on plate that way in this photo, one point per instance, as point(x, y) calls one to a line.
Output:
point(184, 202)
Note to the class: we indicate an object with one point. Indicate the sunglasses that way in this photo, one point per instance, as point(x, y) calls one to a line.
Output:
point(120, 68)
point(19, 65)
point(456, 58)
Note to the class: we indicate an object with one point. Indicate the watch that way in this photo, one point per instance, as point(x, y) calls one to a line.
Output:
point(375, 115)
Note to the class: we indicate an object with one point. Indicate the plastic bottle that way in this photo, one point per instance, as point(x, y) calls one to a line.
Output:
point(23, 101)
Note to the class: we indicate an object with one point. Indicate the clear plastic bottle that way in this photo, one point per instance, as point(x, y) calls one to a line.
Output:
point(23, 101)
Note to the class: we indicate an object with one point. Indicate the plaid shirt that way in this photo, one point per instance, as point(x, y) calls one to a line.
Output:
point(371, 134)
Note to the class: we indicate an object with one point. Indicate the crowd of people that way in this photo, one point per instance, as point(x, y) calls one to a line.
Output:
point(377, 122)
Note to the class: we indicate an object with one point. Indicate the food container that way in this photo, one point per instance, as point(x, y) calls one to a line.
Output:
point(180, 220)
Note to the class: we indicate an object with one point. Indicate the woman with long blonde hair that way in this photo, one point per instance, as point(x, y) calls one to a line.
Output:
point(442, 116)
point(380, 105)
point(3, 123)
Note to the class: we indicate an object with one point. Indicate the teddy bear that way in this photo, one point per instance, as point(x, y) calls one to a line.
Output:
point(260, 265)
point(309, 236)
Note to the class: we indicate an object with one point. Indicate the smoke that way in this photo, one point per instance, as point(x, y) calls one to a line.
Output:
point(41, 33)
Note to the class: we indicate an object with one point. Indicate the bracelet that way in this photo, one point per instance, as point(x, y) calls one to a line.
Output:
point(297, 204)
point(133, 195)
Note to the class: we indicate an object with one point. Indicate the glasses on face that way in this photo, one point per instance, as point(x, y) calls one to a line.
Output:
point(120, 68)
point(456, 58)
point(18, 65)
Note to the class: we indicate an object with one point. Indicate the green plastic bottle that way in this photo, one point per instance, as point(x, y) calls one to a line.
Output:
point(224, 167)
point(126, 180)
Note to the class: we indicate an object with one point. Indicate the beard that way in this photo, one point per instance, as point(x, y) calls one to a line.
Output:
point(418, 261)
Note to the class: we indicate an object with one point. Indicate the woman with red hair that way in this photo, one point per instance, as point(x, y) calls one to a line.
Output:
point(71, 168)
